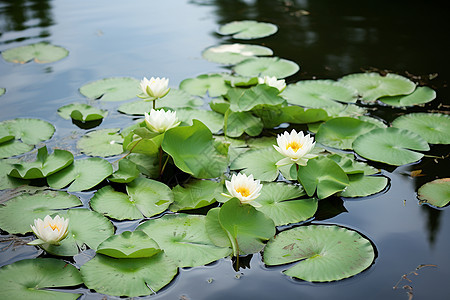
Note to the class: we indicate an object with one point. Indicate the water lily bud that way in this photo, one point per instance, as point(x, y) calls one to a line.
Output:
point(49, 231)
point(161, 121)
point(296, 147)
point(154, 88)
point(246, 189)
point(273, 82)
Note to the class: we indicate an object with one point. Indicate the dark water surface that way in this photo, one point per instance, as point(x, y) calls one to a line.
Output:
point(328, 39)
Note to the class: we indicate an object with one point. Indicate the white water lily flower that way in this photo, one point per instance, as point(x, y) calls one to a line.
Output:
point(296, 147)
point(161, 121)
point(154, 88)
point(273, 82)
point(246, 189)
point(49, 231)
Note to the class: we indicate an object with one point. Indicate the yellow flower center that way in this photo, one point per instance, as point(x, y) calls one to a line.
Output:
point(53, 226)
point(243, 191)
point(294, 145)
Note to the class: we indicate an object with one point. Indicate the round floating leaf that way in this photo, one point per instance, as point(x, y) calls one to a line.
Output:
point(40, 52)
point(362, 185)
point(240, 122)
point(7, 182)
point(81, 112)
point(111, 89)
point(194, 151)
point(129, 244)
point(82, 175)
point(19, 213)
point(213, 84)
point(434, 128)
point(421, 95)
point(184, 239)
point(31, 279)
point(86, 228)
point(131, 277)
point(324, 253)
point(266, 66)
point(372, 86)
point(276, 115)
point(2, 91)
point(322, 174)
point(319, 93)
point(30, 131)
point(44, 165)
point(13, 148)
point(127, 172)
point(247, 99)
point(390, 145)
point(350, 166)
point(146, 198)
point(103, 142)
point(248, 29)
point(234, 53)
point(436, 192)
point(213, 120)
point(341, 132)
point(195, 194)
point(279, 202)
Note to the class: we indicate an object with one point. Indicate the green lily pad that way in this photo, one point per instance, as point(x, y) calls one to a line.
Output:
point(111, 89)
point(266, 66)
point(19, 213)
point(436, 192)
point(248, 29)
point(362, 185)
point(40, 52)
point(247, 99)
point(372, 86)
point(142, 140)
point(130, 277)
point(81, 112)
point(86, 229)
point(213, 84)
point(144, 198)
point(341, 132)
point(7, 182)
point(44, 166)
point(231, 54)
point(323, 253)
point(421, 95)
point(323, 174)
point(13, 148)
point(239, 81)
point(279, 201)
point(434, 128)
point(195, 194)
point(184, 239)
point(36, 279)
point(82, 175)
point(275, 115)
point(319, 93)
point(213, 120)
point(240, 122)
point(127, 171)
point(129, 244)
point(2, 91)
point(103, 142)
point(194, 151)
point(391, 145)
point(350, 166)
point(29, 131)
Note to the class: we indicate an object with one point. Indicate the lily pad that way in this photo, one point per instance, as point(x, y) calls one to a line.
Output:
point(324, 253)
point(436, 192)
point(36, 279)
point(126, 172)
point(231, 54)
point(248, 29)
point(81, 112)
point(247, 99)
point(319, 93)
point(29, 131)
point(184, 239)
point(240, 122)
point(2, 91)
point(421, 95)
point(82, 175)
point(39, 52)
point(129, 244)
point(391, 145)
point(195, 194)
point(130, 277)
point(213, 120)
point(372, 86)
point(7, 182)
point(275, 115)
point(13, 148)
point(213, 84)
point(362, 185)
point(103, 142)
point(19, 213)
point(111, 89)
point(266, 66)
point(434, 128)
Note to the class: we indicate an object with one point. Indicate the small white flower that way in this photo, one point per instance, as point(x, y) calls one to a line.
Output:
point(273, 82)
point(161, 121)
point(49, 231)
point(246, 189)
point(296, 147)
point(154, 88)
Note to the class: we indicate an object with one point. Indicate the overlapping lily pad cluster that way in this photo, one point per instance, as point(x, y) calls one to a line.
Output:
point(209, 182)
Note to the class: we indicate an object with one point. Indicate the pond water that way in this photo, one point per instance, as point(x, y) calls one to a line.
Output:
point(328, 39)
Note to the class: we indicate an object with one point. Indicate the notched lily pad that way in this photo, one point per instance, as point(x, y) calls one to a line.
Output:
point(421, 95)
point(129, 244)
point(29, 131)
point(248, 29)
point(213, 84)
point(39, 52)
point(103, 142)
point(434, 128)
point(81, 112)
point(266, 66)
point(195, 194)
point(111, 89)
point(436, 192)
